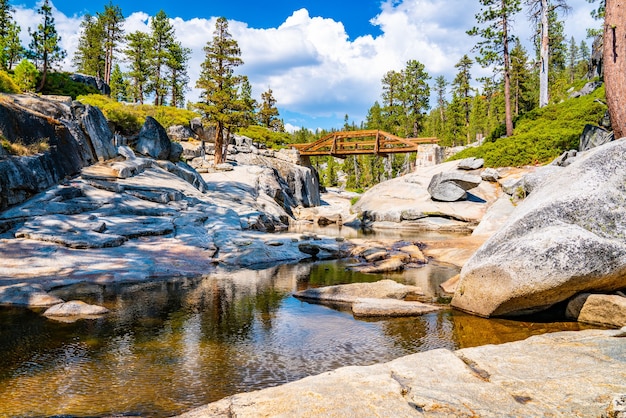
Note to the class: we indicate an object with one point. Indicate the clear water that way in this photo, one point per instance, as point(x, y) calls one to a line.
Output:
point(169, 347)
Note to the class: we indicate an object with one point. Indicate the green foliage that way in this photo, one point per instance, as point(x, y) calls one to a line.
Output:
point(7, 85)
point(45, 46)
point(267, 136)
point(62, 85)
point(128, 118)
point(541, 134)
point(25, 75)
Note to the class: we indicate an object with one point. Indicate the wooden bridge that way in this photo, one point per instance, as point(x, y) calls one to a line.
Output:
point(346, 143)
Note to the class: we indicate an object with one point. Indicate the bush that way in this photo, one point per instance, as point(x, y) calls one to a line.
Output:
point(265, 136)
point(7, 85)
point(543, 134)
point(62, 85)
point(128, 118)
point(25, 75)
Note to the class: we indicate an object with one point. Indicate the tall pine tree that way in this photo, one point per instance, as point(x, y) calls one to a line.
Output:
point(219, 84)
point(495, 37)
point(45, 46)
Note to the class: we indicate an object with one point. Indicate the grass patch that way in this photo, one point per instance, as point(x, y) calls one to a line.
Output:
point(128, 118)
point(542, 134)
point(18, 148)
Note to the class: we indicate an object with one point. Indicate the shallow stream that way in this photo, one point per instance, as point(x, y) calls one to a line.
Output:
point(168, 347)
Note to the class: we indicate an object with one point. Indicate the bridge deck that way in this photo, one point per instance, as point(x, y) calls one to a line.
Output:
point(343, 144)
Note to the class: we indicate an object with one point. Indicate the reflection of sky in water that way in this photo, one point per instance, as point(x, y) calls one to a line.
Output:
point(168, 347)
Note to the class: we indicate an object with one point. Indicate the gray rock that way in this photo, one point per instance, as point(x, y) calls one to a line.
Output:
point(451, 186)
point(388, 308)
point(587, 89)
point(70, 231)
point(97, 128)
point(126, 152)
point(557, 374)
point(490, 174)
point(75, 308)
point(567, 237)
point(153, 140)
point(92, 81)
point(471, 163)
point(603, 310)
point(176, 150)
point(594, 136)
point(310, 249)
point(26, 294)
point(350, 293)
point(180, 133)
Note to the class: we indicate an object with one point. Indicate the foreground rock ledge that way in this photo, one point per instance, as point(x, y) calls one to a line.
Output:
point(563, 374)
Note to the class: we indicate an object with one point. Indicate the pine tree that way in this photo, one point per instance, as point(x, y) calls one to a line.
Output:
point(462, 90)
point(137, 54)
point(119, 85)
point(268, 113)
point(495, 37)
point(45, 45)
point(219, 84)
point(392, 108)
point(111, 22)
point(415, 96)
point(572, 60)
point(6, 18)
point(12, 49)
point(89, 57)
point(162, 39)
point(550, 45)
point(521, 92)
point(614, 52)
point(177, 59)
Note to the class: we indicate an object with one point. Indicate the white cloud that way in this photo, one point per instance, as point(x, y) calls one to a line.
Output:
point(311, 64)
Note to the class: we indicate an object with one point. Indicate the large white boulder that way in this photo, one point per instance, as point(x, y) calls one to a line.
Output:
point(568, 236)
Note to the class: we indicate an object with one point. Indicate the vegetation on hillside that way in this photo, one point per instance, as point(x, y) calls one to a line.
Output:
point(542, 134)
point(128, 118)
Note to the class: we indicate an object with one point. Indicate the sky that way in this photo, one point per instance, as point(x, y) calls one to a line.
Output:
point(322, 59)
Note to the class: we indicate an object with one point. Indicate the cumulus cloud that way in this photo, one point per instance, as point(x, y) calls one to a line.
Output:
point(311, 64)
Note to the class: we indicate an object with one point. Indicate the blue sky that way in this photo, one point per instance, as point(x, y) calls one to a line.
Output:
point(323, 59)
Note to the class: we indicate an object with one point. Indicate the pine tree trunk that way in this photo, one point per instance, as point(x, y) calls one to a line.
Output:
point(544, 56)
point(615, 64)
point(507, 78)
point(219, 143)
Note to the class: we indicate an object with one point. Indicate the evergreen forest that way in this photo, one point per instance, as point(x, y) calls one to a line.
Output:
point(522, 114)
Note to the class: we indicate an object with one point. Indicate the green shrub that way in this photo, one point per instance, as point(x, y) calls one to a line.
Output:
point(26, 75)
point(128, 118)
point(541, 134)
point(266, 136)
point(7, 85)
point(62, 85)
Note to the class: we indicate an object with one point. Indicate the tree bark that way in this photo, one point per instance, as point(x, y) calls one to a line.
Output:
point(507, 77)
point(219, 143)
point(544, 55)
point(615, 64)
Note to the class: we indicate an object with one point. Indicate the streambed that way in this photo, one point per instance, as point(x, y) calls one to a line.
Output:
point(168, 347)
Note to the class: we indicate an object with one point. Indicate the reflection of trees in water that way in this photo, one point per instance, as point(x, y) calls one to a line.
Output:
point(421, 333)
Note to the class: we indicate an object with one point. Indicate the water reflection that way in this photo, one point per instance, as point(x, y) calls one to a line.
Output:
point(171, 346)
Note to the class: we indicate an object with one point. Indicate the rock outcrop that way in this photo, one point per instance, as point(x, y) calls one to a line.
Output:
point(566, 237)
point(61, 134)
point(405, 202)
point(603, 310)
point(563, 374)
point(75, 308)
